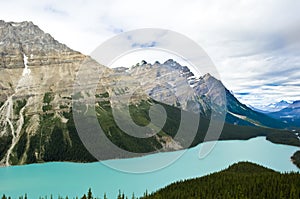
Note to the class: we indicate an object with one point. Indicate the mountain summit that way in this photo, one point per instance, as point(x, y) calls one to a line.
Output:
point(290, 114)
point(273, 107)
point(24, 39)
point(37, 76)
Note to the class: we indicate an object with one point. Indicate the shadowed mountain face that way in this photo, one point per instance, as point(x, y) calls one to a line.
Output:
point(36, 90)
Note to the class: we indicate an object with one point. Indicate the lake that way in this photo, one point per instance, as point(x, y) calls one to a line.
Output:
point(74, 179)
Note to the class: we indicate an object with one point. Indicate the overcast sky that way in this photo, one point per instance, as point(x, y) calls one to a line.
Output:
point(254, 44)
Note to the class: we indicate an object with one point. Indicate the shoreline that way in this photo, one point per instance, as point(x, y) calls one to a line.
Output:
point(150, 154)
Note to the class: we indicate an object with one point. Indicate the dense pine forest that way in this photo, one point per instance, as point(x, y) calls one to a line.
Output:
point(242, 180)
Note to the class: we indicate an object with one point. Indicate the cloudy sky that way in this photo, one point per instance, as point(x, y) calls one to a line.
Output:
point(254, 44)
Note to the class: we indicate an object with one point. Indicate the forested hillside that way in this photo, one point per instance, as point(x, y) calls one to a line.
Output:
point(242, 180)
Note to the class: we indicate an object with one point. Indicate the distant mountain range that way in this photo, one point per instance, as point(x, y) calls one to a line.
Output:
point(284, 111)
point(36, 92)
point(289, 115)
point(273, 107)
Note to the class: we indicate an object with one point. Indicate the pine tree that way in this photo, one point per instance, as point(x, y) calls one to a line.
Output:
point(119, 195)
point(146, 193)
point(90, 195)
point(133, 197)
point(293, 193)
point(281, 195)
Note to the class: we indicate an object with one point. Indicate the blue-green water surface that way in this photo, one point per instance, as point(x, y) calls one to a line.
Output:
point(73, 179)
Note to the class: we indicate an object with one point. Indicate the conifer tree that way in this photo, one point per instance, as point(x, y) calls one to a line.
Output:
point(89, 195)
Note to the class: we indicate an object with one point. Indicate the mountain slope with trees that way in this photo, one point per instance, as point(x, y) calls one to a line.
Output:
point(241, 180)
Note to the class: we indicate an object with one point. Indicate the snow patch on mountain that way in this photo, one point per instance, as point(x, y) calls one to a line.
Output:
point(26, 70)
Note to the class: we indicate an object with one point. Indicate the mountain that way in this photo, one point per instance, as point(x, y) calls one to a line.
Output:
point(37, 99)
point(240, 180)
point(36, 84)
point(273, 107)
point(203, 95)
point(290, 114)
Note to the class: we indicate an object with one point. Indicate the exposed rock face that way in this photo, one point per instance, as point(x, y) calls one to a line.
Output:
point(32, 64)
point(176, 85)
point(26, 38)
point(31, 60)
point(25, 46)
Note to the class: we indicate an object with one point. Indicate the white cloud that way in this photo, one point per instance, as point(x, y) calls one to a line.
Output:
point(252, 43)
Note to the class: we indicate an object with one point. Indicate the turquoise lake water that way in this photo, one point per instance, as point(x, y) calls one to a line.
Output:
point(74, 179)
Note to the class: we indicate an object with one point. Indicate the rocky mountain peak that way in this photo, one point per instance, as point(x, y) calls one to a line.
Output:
point(207, 76)
point(23, 24)
point(174, 84)
point(273, 107)
point(25, 39)
point(172, 63)
point(28, 35)
point(31, 58)
point(184, 70)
